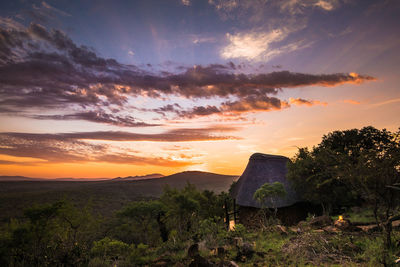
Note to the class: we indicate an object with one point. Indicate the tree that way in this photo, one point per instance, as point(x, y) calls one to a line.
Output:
point(352, 165)
point(182, 207)
point(51, 234)
point(318, 174)
point(376, 176)
point(314, 176)
point(109, 250)
point(269, 191)
point(145, 215)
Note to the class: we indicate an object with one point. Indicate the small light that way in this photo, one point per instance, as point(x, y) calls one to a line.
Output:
point(232, 225)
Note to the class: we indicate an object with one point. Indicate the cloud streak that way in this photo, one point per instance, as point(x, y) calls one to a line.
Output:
point(244, 105)
point(46, 69)
point(76, 147)
point(98, 117)
point(173, 135)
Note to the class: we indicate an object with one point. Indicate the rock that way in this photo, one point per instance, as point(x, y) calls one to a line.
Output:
point(320, 221)
point(330, 229)
point(282, 229)
point(221, 252)
point(245, 251)
point(369, 228)
point(199, 261)
point(193, 250)
point(161, 262)
point(342, 224)
point(228, 264)
point(295, 229)
point(396, 224)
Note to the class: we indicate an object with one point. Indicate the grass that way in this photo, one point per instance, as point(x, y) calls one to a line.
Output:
point(358, 215)
point(363, 215)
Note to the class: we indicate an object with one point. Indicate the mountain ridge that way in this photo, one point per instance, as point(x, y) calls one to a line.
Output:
point(19, 178)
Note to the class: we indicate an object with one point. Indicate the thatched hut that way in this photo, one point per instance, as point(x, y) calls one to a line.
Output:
point(261, 169)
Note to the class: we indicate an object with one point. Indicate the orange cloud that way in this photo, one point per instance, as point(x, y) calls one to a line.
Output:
point(351, 101)
point(300, 101)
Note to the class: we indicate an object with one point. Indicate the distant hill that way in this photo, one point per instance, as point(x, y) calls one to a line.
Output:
point(19, 178)
point(32, 179)
point(202, 180)
point(78, 179)
point(105, 196)
point(136, 178)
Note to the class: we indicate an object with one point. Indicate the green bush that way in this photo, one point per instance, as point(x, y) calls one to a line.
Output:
point(109, 249)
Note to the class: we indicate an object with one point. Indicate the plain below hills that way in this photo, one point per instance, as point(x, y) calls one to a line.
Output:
point(105, 195)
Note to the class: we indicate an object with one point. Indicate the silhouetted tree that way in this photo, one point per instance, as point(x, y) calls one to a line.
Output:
point(269, 192)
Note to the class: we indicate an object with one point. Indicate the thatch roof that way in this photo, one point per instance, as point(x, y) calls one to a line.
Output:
point(261, 169)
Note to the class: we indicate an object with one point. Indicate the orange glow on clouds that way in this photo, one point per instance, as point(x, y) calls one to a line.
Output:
point(299, 102)
point(352, 102)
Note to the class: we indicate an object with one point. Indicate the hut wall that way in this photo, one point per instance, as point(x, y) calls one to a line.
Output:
point(252, 217)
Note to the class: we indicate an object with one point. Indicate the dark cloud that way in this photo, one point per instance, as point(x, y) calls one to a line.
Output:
point(253, 103)
point(44, 13)
point(166, 109)
point(99, 117)
point(244, 105)
point(42, 68)
point(174, 135)
point(300, 101)
point(199, 111)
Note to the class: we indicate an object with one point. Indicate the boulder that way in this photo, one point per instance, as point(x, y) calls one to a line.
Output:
point(228, 264)
point(221, 252)
point(193, 250)
point(245, 251)
point(343, 224)
point(199, 261)
point(330, 229)
point(162, 261)
point(282, 229)
point(295, 229)
point(321, 221)
point(369, 228)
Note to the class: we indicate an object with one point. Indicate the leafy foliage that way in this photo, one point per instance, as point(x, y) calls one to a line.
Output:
point(331, 173)
point(269, 191)
point(352, 165)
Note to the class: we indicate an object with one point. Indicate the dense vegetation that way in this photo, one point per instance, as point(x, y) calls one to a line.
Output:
point(354, 173)
point(350, 168)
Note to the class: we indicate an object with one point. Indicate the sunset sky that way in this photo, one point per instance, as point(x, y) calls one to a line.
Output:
point(118, 88)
